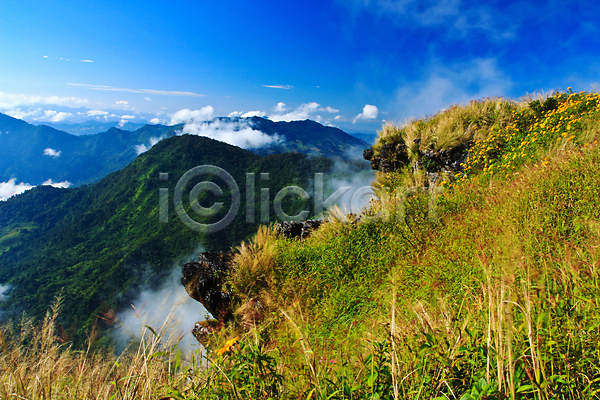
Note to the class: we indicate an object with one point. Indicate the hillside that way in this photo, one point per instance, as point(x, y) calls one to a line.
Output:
point(98, 244)
point(483, 284)
point(308, 137)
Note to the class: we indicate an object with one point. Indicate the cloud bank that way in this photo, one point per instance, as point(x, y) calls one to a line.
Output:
point(186, 115)
point(12, 188)
point(238, 133)
point(10, 101)
point(61, 185)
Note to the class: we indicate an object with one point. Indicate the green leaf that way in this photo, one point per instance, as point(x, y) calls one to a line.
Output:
point(309, 396)
point(372, 378)
point(524, 388)
point(151, 330)
point(157, 354)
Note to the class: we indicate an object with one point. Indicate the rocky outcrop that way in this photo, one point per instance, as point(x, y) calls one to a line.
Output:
point(203, 329)
point(298, 229)
point(394, 155)
point(205, 281)
point(449, 159)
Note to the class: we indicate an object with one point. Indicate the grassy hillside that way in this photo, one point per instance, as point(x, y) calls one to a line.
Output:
point(486, 291)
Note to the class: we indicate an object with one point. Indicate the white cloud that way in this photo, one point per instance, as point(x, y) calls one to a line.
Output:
point(278, 86)
point(143, 91)
point(125, 119)
point(38, 114)
point(10, 101)
point(62, 185)
point(96, 113)
point(444, 85)
point(86, 61)
point(122, 103)
point(303, 112)
point(235, 114)
point(20, 114)
point(155, 121)
point(52, 153)
point(369, 112)
point(186, 115)
point(279, 108)
point(142, 148)
point(238, 133)
point(60, 116)
point(11, 188)
point(331, 110)
point(250, 114)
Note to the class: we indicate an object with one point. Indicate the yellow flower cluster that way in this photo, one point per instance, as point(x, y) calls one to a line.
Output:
point(227, 346)
point(507, 148)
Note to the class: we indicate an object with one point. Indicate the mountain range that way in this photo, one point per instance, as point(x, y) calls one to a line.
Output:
point(36, 154)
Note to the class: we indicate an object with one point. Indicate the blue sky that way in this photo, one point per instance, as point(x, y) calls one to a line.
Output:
point(353, 64)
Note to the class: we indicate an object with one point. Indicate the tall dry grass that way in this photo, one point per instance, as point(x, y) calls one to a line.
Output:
point(35, 364)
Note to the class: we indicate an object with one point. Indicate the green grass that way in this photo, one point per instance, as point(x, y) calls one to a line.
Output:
point(496, 298)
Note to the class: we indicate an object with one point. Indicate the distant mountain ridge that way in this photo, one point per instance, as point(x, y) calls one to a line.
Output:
point(92, 127)
point(308, 137)
point(35, 154)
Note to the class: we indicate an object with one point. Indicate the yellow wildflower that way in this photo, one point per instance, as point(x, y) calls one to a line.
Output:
point(227, 345)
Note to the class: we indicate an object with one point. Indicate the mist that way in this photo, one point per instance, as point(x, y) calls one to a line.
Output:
point(3, 289)
point(12, 188)
point(169, 311)
point(358, 180)
point(142, 148)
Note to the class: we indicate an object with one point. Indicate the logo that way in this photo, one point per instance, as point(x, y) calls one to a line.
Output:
point(201, 214)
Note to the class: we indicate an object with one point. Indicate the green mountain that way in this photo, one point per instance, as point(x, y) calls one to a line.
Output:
point(97, 244)
point(34, 154)
point(308, 137)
